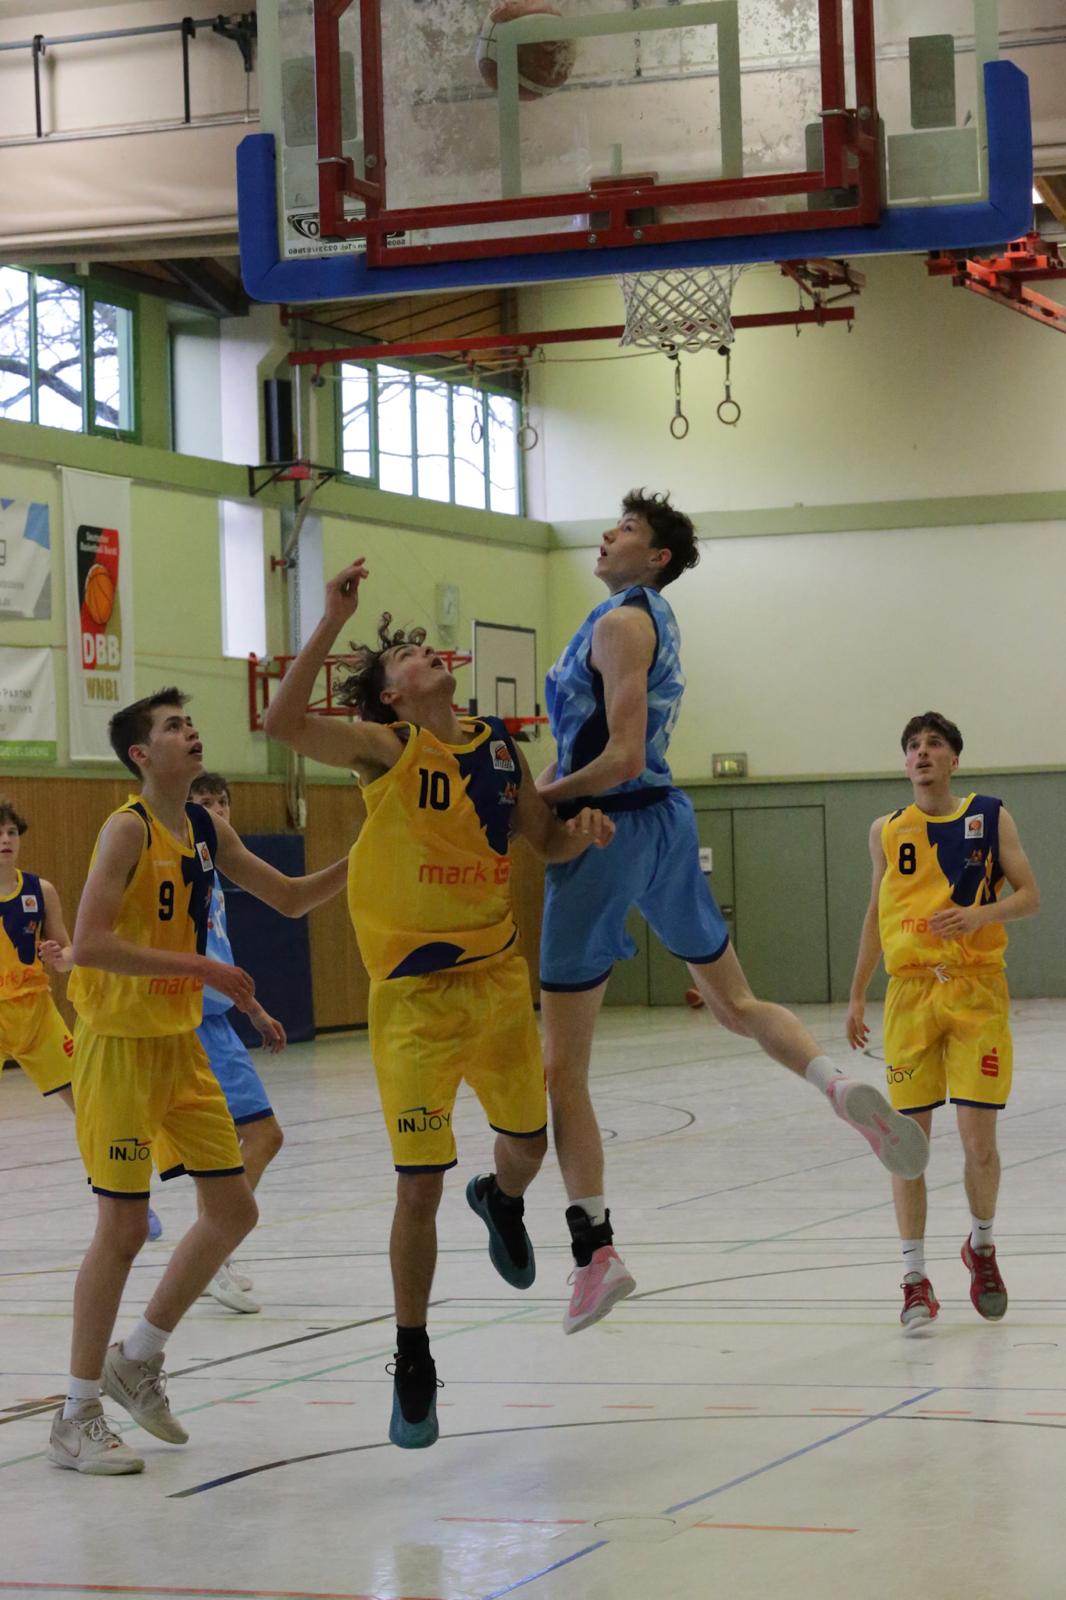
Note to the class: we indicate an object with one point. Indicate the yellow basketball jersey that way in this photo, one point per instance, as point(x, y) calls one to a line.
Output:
point(165, 907)
point(21, 923)
point(932, 864)
point(429, 875)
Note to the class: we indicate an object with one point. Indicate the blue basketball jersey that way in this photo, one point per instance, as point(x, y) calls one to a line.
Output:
point(218, 949)
point(576, 710)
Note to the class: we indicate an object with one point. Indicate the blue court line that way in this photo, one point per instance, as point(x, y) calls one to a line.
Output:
point(733, 1483)
point(794, 1455)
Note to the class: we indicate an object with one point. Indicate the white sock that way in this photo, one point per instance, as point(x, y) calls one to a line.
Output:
point(980, 1232)
point(913, 1259)
point(80, 1391)
point(144, 1342)
point(595, 1208)
point(821, 1072)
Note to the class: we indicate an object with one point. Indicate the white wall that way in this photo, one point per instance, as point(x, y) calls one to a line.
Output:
point(811, 651)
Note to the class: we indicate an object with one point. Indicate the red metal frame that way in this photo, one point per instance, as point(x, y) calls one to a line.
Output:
point(1006, 279)
point(846, 133)
point(811, 277)
point(261, 675)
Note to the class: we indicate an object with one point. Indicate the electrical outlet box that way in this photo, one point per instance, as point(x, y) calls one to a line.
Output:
point(706, 858)
point(733, 765)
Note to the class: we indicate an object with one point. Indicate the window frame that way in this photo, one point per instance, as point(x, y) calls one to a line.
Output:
point(485, 389)
point(91, 293)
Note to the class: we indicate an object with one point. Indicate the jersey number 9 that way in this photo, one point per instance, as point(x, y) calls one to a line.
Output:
point(166, 900)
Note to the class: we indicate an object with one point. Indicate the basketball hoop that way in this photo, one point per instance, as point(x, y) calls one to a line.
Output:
point(686, 309)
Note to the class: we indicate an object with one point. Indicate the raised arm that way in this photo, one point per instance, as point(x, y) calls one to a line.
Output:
point(55, 948)
point(623, 648)
point(293, 897)
point(1023, 902)
point(869, 946)
point(367, 747)
point(551, 839)
point(97, 945)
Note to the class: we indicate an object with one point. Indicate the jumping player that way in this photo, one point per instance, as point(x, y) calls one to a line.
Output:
point(143, 1091)
point(613, 698)
point(938, 867)
point(429, 895)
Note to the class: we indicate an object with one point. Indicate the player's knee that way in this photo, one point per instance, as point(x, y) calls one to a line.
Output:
point(245, 1213)
point(418, 1194)
point(268, 1137)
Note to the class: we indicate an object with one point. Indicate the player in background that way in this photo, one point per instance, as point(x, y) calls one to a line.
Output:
point(144, 1094)
point(613, 699)
point(429, 894)
point(936, 915)
point(34, 941)
point(258, 1129)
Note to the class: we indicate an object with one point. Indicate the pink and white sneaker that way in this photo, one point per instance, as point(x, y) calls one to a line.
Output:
point(597, 1287)
point(897, 1141)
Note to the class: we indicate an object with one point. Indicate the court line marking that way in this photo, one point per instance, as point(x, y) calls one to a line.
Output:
point(222, 1594)
point(767, 1527)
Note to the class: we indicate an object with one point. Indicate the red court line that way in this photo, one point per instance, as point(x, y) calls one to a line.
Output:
point(213, 1594)
point(526, 1522)
point(1045, 1413)
point(769, 1527)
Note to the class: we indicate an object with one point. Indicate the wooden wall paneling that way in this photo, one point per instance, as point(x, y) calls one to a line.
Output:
point(341, 987)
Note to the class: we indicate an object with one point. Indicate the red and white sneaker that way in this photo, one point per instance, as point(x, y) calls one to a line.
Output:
point(597, 1288)
point(920, 1305)
point(897, 1141)
point(987, 1289)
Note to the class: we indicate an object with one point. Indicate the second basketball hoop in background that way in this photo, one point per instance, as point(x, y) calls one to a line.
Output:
point(543, 66)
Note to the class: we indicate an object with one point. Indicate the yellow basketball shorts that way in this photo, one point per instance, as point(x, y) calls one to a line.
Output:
point(33, 1033)
point(428, 1034)
point(948, 1039)
point(141, 1103)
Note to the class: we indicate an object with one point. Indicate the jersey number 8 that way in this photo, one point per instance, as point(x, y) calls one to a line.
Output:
point(908, 860)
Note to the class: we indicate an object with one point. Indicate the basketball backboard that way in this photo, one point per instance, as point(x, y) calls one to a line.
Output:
point(697, 131)
point(504, 680)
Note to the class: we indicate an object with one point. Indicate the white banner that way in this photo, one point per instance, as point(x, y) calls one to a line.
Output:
point(99, 582)
point(25, 560)
point(27, 705)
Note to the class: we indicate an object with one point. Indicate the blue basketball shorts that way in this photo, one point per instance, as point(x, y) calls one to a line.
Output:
point(231, 1064)
point(651, 863)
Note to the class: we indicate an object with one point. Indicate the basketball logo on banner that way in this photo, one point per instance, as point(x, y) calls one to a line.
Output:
point(99, 611)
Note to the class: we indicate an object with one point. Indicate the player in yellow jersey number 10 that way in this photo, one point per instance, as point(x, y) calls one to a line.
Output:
point(429, 895)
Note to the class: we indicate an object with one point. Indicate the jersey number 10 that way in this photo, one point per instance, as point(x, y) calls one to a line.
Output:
point(434, 790)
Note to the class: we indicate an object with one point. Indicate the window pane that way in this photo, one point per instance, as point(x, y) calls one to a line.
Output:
point(113, 367)
point(434, 475)
point(59, 355)
point(15, 397)
point(355, 421)
point(395, 470)
point(503, 454)
point(469, 418)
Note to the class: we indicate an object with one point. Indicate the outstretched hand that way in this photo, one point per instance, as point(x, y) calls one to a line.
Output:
point(342, 592)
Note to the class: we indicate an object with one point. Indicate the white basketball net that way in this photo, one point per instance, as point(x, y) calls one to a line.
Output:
point(687, 308)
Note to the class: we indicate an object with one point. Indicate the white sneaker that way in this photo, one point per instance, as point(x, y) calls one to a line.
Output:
point(141, 1386)
point(225, 1289)
point(87, 1443)
point(239, 1276)
point(897, 1141)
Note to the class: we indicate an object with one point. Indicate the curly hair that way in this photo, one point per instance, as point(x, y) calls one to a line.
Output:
point(361, 689)
point(671, 530)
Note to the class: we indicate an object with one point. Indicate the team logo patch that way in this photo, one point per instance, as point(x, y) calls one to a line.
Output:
point(990, 1065)
point(205, 857)
point(501, 756)
point(975, 826)
point(509, 797)
point(29, 902)
point(977, 858)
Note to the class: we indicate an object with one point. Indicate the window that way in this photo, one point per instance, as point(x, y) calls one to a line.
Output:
point(66, 355)
point(417, 433)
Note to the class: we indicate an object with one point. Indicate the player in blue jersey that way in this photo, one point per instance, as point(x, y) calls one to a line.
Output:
point(613, 698)
point(258, 1129)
